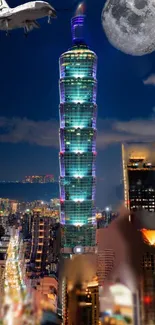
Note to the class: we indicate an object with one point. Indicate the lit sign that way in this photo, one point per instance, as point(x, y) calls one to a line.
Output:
point(122, 295)
point(78, 250)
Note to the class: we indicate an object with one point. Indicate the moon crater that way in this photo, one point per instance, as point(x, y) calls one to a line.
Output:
point(130, 25)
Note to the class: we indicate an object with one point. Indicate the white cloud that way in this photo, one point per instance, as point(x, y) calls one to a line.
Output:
point(16, 130)
point(128, 131)
point(45, 133)
point(150, 80)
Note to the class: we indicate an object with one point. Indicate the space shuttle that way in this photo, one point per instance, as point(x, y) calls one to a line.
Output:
point(24, 16)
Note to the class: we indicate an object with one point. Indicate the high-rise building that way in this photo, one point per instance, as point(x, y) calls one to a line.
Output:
point(147, 280)
point(43, 258)
point(139, 176)
point(81, 303)
point(26, 224)
point(139, 193)
point(78, 87)
point(105, 264)
point(105, 257)
point(40, 242)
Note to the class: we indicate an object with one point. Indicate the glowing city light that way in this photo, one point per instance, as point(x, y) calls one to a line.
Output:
point(78, 224)
point(78, 76)
point(78, 127)
point(78, 200)
point(78, 101)
point(78, 151)
point(147, 300)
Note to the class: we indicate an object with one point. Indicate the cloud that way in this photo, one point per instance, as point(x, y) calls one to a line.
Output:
point(128, 131)
point(45, 133)
point(150, 80)
point(17, 130)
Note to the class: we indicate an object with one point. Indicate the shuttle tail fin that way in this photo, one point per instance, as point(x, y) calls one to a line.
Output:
point(3, 5)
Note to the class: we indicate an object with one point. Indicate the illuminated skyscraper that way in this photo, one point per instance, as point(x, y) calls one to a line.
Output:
point(78, 87)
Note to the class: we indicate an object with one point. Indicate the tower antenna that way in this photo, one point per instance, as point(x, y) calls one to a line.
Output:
point(71, 8)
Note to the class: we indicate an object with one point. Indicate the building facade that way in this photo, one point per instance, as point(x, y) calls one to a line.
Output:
point(105, 257)
point(139, 176)
point(147, 280)
point(139, 194)
point(105, 264)
point(45, 245)
point(81, 303)
point(78, 87)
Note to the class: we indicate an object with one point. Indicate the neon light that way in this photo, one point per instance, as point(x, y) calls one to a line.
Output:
point(78, 151)
point(77, 24)
point(78, 200)
point(78, 127)
point(78, 76)
point(147, 300)
point(78, 176)
point(78, 101)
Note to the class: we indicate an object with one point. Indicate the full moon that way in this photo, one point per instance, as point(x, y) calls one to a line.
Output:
point(130, 25)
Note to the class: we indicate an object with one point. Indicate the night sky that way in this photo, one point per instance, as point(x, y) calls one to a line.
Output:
point(29, 97)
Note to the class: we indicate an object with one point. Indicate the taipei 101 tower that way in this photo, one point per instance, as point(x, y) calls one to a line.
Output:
point(78, 87)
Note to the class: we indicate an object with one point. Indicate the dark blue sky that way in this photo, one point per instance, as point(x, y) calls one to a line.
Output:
point(29, 98)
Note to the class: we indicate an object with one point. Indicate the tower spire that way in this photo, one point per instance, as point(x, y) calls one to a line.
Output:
point(77, 26)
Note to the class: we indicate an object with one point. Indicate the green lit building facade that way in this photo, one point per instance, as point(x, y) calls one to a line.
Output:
point(78, 87)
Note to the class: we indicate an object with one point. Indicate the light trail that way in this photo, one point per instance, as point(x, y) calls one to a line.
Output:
point(18, 307)
point(15, 291)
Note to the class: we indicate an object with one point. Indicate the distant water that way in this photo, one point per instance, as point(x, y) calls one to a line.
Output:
point(29, 192)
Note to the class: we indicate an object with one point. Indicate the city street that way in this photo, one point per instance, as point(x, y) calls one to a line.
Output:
point(16, 308)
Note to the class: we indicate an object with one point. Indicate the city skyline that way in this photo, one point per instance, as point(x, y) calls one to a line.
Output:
point(76, 110)
point(29, 115)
